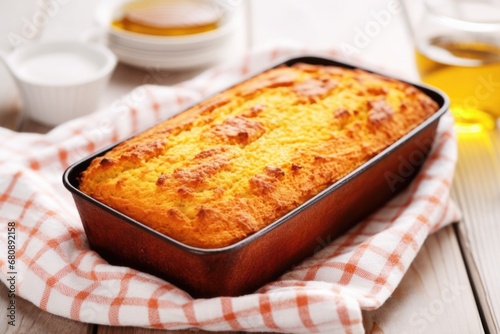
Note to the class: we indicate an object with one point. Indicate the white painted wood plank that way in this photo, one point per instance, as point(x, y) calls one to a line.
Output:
point(435, 295)
point(477, 191)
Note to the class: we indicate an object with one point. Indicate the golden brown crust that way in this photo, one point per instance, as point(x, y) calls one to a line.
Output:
point(233, 164)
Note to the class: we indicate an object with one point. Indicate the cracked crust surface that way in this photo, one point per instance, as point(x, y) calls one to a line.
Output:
point(226, 168)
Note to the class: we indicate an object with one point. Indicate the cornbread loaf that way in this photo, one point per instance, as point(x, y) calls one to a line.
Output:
point(231, 165)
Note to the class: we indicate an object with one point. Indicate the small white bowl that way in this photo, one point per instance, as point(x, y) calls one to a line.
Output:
point(59, 81)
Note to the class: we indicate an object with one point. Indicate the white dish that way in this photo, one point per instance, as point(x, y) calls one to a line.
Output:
point(110, 10)
point(165, 52)
point(60, 81)
point(145, 45)
point(174, 53)
point(166, 62)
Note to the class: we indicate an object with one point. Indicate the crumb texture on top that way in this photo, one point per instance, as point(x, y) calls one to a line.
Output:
point(230, 166)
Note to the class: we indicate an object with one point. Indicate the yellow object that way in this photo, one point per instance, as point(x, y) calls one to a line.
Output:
point(169, 17)
point(233, 164)
point(469, 72)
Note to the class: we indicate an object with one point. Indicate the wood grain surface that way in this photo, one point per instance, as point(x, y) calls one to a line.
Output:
point(477, 191)
point(434, 296)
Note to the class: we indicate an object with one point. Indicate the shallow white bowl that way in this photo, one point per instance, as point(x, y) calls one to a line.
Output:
point(165, 52)
point(169, 62)
point(59, 81)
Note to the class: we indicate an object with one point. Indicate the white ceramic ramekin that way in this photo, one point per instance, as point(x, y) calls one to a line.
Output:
point(59, 81)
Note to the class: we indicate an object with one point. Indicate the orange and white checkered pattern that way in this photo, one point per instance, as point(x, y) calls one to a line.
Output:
point(56, 270)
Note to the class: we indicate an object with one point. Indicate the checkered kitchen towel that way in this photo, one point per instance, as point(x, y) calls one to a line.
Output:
point(56, 270)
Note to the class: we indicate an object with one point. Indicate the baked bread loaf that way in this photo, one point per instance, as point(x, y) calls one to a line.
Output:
point(226, 168)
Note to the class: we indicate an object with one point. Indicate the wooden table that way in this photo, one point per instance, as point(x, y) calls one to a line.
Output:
point(453, 286)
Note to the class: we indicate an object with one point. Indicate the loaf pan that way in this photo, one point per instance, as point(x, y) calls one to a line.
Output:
point(258, 259)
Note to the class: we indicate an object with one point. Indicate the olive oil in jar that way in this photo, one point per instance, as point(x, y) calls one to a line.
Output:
point(469, 72)
point(169, 17)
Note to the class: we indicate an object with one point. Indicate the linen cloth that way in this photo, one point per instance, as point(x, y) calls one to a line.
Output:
point(56, 270)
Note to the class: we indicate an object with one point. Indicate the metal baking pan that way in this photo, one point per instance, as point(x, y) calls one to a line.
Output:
point(247, 265)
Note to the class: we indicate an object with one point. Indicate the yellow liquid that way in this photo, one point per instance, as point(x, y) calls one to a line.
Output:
point(469, 73)
point(168, 17)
